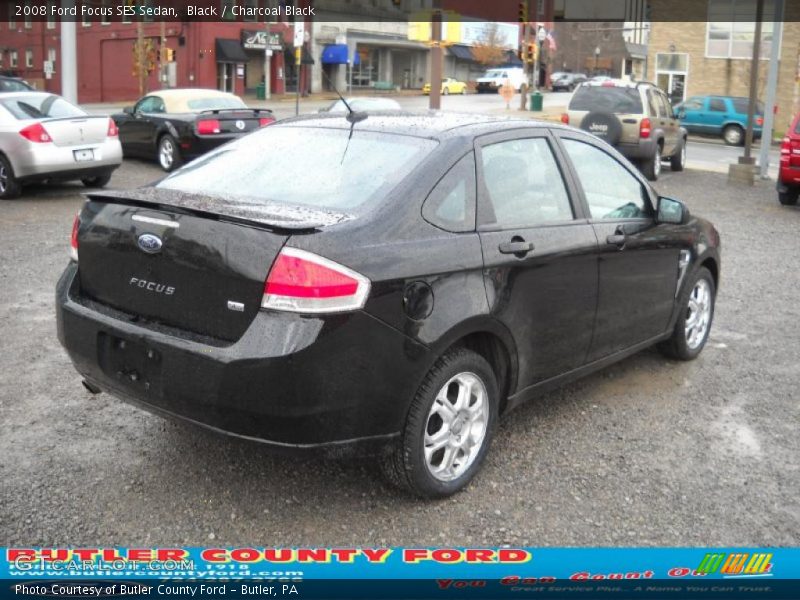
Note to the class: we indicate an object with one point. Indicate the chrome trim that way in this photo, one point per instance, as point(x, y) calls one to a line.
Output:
point(683, 264)
point(154, 221)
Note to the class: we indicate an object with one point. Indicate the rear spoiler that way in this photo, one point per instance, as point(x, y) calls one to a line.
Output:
point(216, 111)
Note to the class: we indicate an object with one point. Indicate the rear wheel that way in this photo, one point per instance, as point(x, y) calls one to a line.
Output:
point(168, 154)
point(652, 166)
point(448, 429)
point(678, 160)
point(789, 197)
point(464, 91)
point(9, 186)
point(694, 321)
point(99, 181)
point(733, 135)
point(446, 91)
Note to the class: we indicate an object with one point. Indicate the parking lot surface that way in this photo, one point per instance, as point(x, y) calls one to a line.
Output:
point(647, 452)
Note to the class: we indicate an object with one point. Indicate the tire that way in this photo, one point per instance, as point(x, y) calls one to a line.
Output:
point(651, 168)
point(464, 91)
point(439, 473)
point(687, 344)
point(733, 135)
point(99, 181)
point(789, 197)
point(446, 91)
point(9, 186)
point(168, 155)
point(677, 161)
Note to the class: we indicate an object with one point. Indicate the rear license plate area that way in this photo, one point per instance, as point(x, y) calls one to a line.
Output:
point(84, 155)
point(133, 365)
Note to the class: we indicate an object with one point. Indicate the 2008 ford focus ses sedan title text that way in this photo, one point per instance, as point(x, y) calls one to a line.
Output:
point(390, 283)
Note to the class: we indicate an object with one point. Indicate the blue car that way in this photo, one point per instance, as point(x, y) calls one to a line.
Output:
point(725, 116)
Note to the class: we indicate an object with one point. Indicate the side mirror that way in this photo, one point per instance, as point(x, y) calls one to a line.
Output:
point(672, 211)
point(681, 113)
point(128, 110)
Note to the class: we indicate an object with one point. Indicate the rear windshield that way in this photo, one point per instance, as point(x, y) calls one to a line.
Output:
point(619, 100)
point(40, 106)
point(306, 166)
point(10, 85)
point(214, 103)
point(741, 106)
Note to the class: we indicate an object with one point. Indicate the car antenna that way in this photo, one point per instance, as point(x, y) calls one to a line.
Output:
point(352, 117)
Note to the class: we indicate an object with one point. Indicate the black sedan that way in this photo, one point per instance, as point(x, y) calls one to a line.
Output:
point(390, 283)
point(175, 126)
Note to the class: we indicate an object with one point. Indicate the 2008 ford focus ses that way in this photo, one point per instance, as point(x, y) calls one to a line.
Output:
point(391, 283)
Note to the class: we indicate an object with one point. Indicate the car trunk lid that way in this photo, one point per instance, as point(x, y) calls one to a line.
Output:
point(186, 261)
point(213, 122)
point(76, 131)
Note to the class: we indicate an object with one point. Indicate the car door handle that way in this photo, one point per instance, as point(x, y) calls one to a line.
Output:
point(515, 247)
point(618, 239)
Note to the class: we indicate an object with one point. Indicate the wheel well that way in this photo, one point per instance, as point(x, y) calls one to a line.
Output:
point(711, 265)
point(492, 348)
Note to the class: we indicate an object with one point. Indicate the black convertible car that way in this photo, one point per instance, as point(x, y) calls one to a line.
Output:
point(391, 282)
point(175, 126)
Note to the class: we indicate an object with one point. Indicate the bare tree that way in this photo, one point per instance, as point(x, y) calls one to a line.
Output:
point(490, 49)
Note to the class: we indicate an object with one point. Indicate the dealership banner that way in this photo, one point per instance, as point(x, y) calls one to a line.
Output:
point(380, 572)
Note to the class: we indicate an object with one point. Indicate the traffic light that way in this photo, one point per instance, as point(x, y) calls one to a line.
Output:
point(523, 11)
point(533, 51)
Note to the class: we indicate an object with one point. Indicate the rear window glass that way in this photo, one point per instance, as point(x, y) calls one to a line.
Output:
point(307, 166)
point(214, 103)
point(741, 106)
point(40, 106)
point(620, 100)
point(10, 85)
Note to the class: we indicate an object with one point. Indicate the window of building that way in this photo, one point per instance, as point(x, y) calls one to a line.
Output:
point(85, 20)
point(227, 10)
point(51, 21)
point(28, 21)
point(731, 28)
point(29, 59)
point(106, 18)
point(13, 59)
point(51, 56)
point(251, 4)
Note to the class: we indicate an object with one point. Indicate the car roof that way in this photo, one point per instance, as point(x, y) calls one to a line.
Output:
point(428, 124)
point(26, 94)
point(176, 100)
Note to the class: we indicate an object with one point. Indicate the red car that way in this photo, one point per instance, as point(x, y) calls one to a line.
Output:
point(789, 171)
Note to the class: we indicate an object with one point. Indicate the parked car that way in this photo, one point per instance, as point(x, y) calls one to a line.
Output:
point(724, 116)
point(449, 86)
point(494, 79)
point(45, 138)
point(394, 299)
point(362, 104)
point(174, 126)
point(789, 171)
point(568, 82)
point(636, 118)
point(14, 84)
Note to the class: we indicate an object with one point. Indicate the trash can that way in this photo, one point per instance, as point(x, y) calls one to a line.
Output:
point(261, 91)
point(537, 100)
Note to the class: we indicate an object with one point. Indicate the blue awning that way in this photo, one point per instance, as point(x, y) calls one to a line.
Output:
point(336, 54)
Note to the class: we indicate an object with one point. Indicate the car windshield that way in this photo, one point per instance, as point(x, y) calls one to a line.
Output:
point(12, 85)
point(742, 104)
point(40, 106)
point(494, 74)
point(215, 103)
point(619, 100)
point(306, 166)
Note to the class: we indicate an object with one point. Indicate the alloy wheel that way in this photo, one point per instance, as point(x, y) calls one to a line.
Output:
point(657, 165)
point(698, 314)
point(455, 429)
point(3, 179)
point(733, 135)
point(166, 153)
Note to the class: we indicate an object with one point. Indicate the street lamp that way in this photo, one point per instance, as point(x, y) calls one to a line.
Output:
point(596, 56)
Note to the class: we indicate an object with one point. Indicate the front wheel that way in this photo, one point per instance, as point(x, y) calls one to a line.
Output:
point(694, 321)
point(446, 91)
point(168, 154)
point(448, 429)
point(789, 197)
point(733, 135)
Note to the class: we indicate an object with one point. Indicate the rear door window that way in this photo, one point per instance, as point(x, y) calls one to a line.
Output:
point(451, 204)
point(618, 100)
point(717, 105)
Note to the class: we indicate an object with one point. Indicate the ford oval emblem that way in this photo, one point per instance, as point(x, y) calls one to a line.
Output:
point(239, 124)
point(150, 243)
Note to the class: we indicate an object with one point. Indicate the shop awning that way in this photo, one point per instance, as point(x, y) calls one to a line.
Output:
point(336, 54)
point(229, 51)
point(461, 52)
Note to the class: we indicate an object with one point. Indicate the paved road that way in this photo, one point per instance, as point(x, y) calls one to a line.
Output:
point(647, 452)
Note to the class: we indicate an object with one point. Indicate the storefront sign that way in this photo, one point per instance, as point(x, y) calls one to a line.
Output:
point(257, 40)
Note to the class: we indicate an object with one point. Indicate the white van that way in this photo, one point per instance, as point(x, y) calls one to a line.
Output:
point(494, 79)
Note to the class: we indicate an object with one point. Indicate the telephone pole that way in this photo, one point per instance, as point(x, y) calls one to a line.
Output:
point(69, 63)
point(436, 59)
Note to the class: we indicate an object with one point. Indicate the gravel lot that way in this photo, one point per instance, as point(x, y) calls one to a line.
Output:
point(647, 452)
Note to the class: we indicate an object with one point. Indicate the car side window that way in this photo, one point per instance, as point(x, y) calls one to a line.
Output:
point(693, 104)
point(611, 191)
point(665, 105)
point(523, 185)
point(146, 105)
point(716, 105)
point(158, 105)
point(652, 103)
point(451, 203)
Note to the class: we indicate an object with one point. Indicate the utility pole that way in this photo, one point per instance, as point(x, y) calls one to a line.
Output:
point(772, 84)
point(69, 67)
point(267, 53)
point(140, 57)
point(751, 107)
point(526, 44)
point(436, 59)
point(162, 54)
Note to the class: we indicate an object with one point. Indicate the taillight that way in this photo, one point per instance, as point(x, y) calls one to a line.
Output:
point(36, 133)
point(265, 121)
point(113, 130)
point(644, 128)
point(303, 282)
point(207, 126)
point(759, 121)
point(565, 118)
point(786, 150)
point(73, 241)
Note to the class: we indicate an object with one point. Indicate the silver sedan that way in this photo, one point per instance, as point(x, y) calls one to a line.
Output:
point(45, 138)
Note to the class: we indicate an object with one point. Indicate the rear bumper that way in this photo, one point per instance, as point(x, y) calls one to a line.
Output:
point(788, 177)
point(48, 161)
point(486, 86)
point(645, 149)
point(290, 381)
